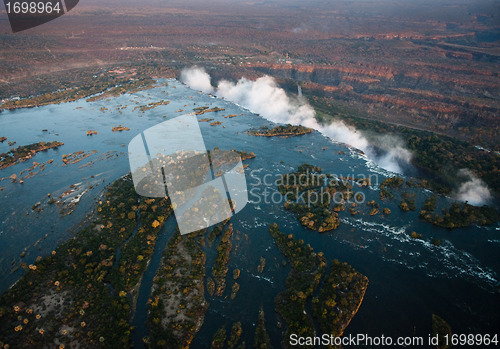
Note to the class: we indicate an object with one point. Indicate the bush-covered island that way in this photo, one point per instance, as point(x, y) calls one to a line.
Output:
point(24, 153)
point(456, 215)
point(317, 198)
point(79, 295)
point(281, 131)
point(178, 306)
point(335, 299)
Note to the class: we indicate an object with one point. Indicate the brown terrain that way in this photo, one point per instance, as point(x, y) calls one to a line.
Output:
point(433, 67)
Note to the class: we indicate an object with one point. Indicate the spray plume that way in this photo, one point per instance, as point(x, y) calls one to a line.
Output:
point(263, 96)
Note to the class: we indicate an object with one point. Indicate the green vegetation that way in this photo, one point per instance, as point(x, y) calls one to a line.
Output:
point(246, 156)
point(457, 215)
point(200, 109)
point(314, 211)
point(131, 86)
point(307, 270)
point(74, 84)
point(336, 303)
point(78, 294)
point(210, 286)
point(311, 200)
point(313, 217)
point(236, 332)
point(119, 128)
point(281, 131)
point(391, 182)
point(415, 235)
point(234, 290)
point(408, 202)
point(215, 232)
point(374, 207)
point(26, 152)
point(136, 253)
point(151, 105)
point(436, 242)
point(262, 265)
point(261, 339)
point(428, 208)
point(219, 339)
point(220, 269)
point(338, 299)
point(316, 198)
point(178, 304)
point(204, 110)
point(464, 215)
point(306, 177)
point(105, 86)
point(441, 328)
point(438, 157)
point(219, 157)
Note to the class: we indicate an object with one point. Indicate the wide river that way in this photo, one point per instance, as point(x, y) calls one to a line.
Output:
point(410, 279)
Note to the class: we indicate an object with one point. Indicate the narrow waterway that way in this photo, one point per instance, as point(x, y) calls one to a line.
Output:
point(141, 312)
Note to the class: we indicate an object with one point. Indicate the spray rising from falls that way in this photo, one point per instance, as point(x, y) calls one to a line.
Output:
point(197, 78)
point(473, 189)
point(263, 96)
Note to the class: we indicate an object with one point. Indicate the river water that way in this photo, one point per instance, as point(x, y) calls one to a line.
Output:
point(409, 279)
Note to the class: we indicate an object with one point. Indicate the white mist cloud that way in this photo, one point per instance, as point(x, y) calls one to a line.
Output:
point(394, 153)
point(473, 190)
point(197, 78)
point(263, 96)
